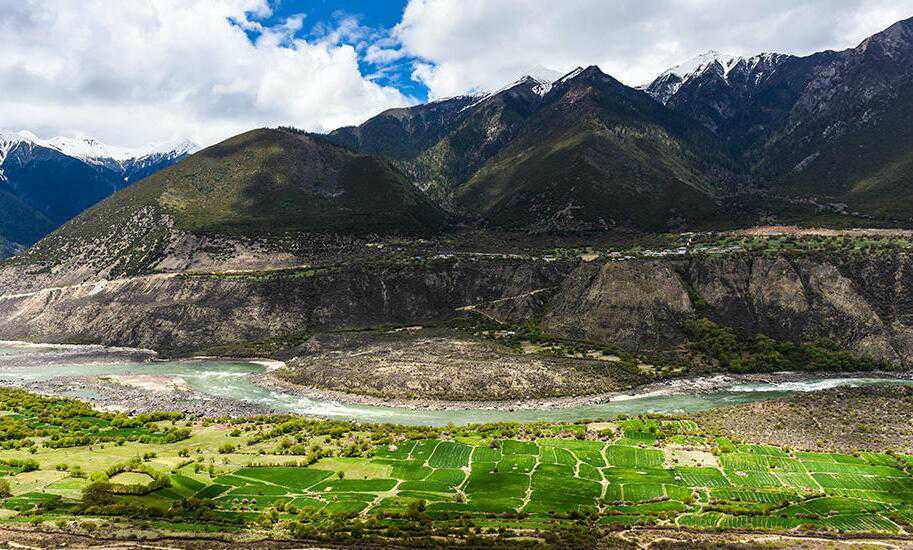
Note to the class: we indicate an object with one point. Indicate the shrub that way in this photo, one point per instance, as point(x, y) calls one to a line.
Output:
point(97, 493)
point(227, 448)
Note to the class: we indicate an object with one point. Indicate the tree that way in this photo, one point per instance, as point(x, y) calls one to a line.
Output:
point(97, 493)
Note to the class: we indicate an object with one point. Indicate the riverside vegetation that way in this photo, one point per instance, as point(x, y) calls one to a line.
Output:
point(71, 471)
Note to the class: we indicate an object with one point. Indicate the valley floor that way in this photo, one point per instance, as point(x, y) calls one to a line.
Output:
point(213, 388)
point(68, 473)
point(685, 386)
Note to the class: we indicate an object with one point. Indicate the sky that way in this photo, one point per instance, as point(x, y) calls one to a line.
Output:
point(134, 72)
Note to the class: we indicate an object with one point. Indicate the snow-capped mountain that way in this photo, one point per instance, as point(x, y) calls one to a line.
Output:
point(92, 151)
point(702, 61)
point(539, 81)
point(724, 68)
point(832, 121)
point(45, 182)
point(715, 89)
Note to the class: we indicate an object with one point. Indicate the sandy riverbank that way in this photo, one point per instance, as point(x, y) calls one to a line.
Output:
point(794, 381)
point(141, 393)
point(31, 354)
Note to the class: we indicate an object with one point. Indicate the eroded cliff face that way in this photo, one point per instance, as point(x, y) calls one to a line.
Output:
point(862, 304)
point(634, 304)
point(809, 299)
point(183, 313)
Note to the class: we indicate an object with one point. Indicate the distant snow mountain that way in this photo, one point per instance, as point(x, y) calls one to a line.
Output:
point(95, 152)
point(834, 123)
point(539, 80)
point(713, 65)
point(120, 159)
point(45, 182)
point(702, 61)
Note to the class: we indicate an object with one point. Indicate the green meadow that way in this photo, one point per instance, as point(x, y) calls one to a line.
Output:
point(285, 477)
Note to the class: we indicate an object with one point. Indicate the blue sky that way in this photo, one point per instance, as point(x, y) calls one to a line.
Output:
point(138, 71)
point(377, 15)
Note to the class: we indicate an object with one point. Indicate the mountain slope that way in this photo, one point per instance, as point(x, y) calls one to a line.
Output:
point(267, 182)
point(57, 185)
point(263, 198)
point(828, 125)
point(50, 181)
point(871, 169)
point(582, 152)
point(271, 181)
point(742, 100)
point(598, 154)
point(441, 144)
point(20, 223)
point(847, 92)
point(401, 134)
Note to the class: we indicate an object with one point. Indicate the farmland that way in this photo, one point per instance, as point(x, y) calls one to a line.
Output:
point(287, 478)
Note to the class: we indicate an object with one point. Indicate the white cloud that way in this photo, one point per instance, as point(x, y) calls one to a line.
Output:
point(130, 72)
point(481, 44)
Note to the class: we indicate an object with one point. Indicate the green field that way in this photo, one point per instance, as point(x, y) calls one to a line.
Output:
point(288, 477)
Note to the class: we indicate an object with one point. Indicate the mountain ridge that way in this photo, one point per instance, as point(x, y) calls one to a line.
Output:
point(454, 148)
point(49, 181)
point(737, 141)
point(774, 110)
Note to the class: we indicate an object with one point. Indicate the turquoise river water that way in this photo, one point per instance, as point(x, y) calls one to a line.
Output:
point(232, 379)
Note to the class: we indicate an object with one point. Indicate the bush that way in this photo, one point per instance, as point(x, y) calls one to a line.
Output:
point(97, 493)
point(227, 448)
point(759, 353)
point(21, 464)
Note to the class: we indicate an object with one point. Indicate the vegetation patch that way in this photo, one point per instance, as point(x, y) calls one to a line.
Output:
point(290, 478)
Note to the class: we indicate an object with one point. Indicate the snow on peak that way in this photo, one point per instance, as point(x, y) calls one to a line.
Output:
point(19, 137)
point(9, 140)
point(91, 150)
point(545, 79)
point(700, 63)
point(571, 75)
point(176, 147)
point(671, 81)
point(88, 149)
point(541, 78)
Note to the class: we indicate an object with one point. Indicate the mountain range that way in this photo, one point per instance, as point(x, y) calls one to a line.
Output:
point(44, 183)
point(715, 142)
point(585, 151)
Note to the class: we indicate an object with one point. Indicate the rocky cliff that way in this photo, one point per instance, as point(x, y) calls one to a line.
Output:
point(190, 312)
point(864, 304)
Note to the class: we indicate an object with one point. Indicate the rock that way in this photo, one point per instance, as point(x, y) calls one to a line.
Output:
point(864, 304)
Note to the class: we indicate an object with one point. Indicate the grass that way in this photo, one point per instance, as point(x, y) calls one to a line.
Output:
point(450, 455)
point(371, 478)
point(740, 353)
point(266, 183)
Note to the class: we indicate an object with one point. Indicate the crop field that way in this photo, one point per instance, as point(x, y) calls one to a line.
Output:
point(292, 478)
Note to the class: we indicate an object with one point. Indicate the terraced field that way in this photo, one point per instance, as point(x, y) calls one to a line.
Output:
point(628, 480)
point(287, 478)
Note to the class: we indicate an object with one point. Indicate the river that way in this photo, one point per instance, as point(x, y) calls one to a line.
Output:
point(233, 380)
